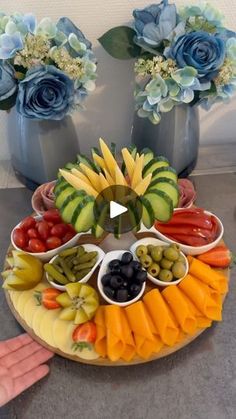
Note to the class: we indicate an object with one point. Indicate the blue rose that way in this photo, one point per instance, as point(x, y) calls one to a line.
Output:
point(8, 83)
point(201, 50)
point(45, 93)
point(155, 23)
point(67, 27)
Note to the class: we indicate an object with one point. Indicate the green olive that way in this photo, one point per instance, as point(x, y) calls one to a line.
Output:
point(165, 275)
point(146, 261)
point(171, 254)
point(178, 269)
point(154, 270)
point(150, 247)
point(181, 258)
point(156, 254)
point(141, 250)
point(166, 264)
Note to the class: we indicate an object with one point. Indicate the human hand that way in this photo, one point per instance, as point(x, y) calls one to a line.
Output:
point(21, 360)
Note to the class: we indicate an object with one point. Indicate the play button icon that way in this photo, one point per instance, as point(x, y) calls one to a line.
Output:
point(118, 210)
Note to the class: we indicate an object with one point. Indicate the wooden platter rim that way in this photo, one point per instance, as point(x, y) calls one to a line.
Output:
point(104, 362)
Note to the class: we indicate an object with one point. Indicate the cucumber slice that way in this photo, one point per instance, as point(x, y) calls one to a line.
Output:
point(167, 172)
point(133, 150)
point(83, 216)
point(96, 151)
point(148, 217)
point(169, 186)
point(148, 155)
point(133, 216)
point(97, 229)
point(70, 204)
point(161, 204)
point(113, 149)
point(155, 164)
point(60, 186)
point(84, 159)
point(117, 228)
point(63, 195)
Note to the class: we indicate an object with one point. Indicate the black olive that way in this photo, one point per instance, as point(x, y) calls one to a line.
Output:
point(106, 279)
point(127, 257)
point(140, 277)
point(109, 292)
point(134, 290)
point(127, 271)
point(136, 265)
point(116, 282)
point(122, 295)
point(114, 264)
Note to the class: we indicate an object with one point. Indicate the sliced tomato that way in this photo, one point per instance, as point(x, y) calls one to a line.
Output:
point(20, 238)
point(85, 332)
point(219, 257)
point(28, 222)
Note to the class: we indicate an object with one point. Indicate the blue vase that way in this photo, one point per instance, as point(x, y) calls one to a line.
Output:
point(40, 147)
point(176, 137)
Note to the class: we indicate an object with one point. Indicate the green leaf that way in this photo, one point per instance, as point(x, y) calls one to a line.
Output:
point(119, 43)
point(8, 103)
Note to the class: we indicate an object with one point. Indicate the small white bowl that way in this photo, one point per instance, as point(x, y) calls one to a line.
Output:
point(46, 256)
point(88, 248)
point(189, 250)
point(157, 242)
point(115, 254)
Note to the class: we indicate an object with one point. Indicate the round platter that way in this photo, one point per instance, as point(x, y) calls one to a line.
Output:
point(165, 351)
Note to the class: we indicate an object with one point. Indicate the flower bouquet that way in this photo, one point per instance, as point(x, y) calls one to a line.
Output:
point(46, 69)
point(183, 56)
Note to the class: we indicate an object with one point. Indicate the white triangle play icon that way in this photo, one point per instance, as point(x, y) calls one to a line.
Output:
point(116, 209)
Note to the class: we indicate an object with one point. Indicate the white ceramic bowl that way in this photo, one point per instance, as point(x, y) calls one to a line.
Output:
point(115, 254)
point(157, 242)
point(46, 256)
point(88, 248)
point(190, 250)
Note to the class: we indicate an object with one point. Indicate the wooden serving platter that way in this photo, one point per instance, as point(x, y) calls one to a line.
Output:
point(165, 351)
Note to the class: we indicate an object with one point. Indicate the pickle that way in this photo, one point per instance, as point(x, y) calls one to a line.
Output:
point(80, 251)
point(54, 274)
point(67, 271)
point(68, 252)
point(87, 257)
point(87, 265)
point(81, 274)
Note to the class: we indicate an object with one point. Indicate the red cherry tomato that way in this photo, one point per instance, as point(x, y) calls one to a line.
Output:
point(32, 233)
point(20, 238)
point(68, 236)
point(50, 224)
point(53, 242)
point(37, 246)
point(52, 215)
point(43, 229)
point(59, 230)
point(28, 222)
point(70, 228)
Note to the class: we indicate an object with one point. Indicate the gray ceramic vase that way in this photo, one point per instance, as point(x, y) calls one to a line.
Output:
point(175, 137)
point(39, 147)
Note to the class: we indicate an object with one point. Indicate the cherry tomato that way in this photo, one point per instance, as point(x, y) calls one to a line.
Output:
point(37, 246)
point(52, 215)
point(70, 227)
point(32, 233)
point(43, 229)
point(53, 242)
point(50, 224)
point(20, 238)
point(68, 236)
point(28, 222)
point(59, 230)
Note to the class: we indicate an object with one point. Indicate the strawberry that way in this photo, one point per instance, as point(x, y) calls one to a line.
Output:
point(47, 298)
point(219, 257)
point(84, 335)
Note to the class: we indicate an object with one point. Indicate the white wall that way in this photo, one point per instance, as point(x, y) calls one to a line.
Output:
point(110, 108)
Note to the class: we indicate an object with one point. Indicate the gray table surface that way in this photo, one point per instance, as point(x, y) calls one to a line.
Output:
point(197, 382)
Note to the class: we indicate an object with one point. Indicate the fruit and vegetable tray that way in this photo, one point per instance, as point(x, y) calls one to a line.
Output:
point(156, 292)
